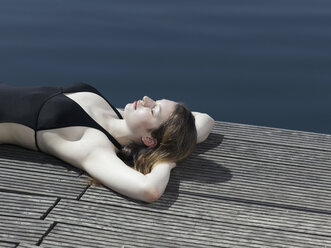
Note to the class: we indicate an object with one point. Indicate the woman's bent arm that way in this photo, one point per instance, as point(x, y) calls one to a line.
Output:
point(104, 165)
point(204, 124)
point(158, 178)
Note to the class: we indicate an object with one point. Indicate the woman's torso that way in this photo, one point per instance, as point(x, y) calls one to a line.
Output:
point(80, 139)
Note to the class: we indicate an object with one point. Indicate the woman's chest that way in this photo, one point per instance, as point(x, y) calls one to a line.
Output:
point(87, 105)
point(72, 144)
point(82, 109)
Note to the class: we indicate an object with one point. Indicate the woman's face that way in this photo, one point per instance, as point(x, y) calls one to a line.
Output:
point(145, 115)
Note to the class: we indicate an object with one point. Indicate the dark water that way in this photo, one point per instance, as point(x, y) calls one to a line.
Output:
point(262, 62)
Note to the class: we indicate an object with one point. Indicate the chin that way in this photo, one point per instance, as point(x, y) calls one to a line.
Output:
point(126, 107)
point(127, 110)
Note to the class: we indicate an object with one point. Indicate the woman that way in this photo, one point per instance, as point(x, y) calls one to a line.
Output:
point(79, 126)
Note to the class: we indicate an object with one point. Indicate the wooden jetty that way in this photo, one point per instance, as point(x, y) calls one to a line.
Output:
point(245, 186)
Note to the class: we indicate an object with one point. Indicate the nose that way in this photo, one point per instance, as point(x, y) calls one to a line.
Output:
point(147, 101)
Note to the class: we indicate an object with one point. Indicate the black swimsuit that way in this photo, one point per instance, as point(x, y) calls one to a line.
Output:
point(42, 108)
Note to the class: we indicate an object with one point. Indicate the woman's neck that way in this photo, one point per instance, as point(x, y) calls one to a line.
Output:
point(120, 131)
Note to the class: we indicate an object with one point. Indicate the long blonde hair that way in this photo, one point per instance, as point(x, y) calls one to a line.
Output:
point(176, 139)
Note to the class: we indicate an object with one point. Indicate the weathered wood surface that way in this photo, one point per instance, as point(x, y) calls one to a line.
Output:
point(246, 186)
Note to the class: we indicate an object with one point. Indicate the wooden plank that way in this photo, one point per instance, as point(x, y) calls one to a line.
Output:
point(28, 206)
point(7, 245)
point(41, 179)
point(118, 226)
point(32, 160)
point(41, 185)
point(15, 229)
point(128, 223)
point(271, 135)
point(258, 181)
point(265, 152)
point(75, 235)
point(183, 214)
point(25, 245)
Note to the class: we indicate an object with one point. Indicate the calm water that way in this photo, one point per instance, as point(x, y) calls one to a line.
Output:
point(256, 62)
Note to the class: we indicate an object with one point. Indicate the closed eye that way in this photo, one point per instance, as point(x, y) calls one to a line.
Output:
point(156, 110)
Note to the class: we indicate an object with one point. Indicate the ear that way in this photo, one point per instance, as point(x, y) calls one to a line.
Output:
point(149, 141)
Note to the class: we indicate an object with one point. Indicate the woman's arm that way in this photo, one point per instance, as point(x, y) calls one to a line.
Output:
point(204, 124)
point(104, 165)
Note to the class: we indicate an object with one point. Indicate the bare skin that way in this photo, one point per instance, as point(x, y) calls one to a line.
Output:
point(89, 149)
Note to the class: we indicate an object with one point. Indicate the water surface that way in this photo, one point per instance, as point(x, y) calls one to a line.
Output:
point(256, 62)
